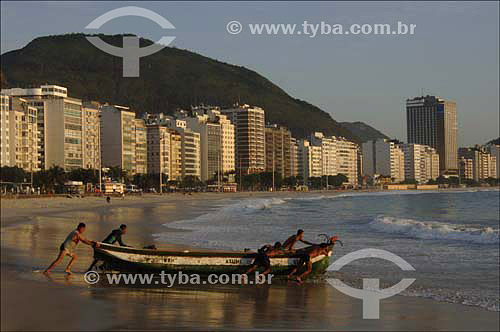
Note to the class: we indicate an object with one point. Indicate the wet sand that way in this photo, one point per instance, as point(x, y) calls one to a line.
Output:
point(32, 230)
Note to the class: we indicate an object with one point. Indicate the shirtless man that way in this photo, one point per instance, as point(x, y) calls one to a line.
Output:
point(306, 259)
point(68, 247)
point(292, 240)
point(262, 258)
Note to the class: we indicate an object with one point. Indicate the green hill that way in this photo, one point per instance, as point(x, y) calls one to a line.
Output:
point(363, 131)
point(169, 79)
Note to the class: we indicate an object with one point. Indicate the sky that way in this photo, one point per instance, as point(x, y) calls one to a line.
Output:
point(454, 52)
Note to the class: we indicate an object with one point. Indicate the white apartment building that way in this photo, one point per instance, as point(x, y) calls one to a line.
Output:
point(294, 157)
point(164, 152)
point(141, 154)
point(383, 157)
point(216, 141)
point(328, 153)
point(484, 164)
point(494, 150)
point(347, 154)
point(338, 156)
point(91, 135)
point(249, 124)
point(59, 125)
point(118, 137)
point(23, 135)
point(310, 160)
point(4, 130)
point(421, 162)
point(278, 150)
point(190, 147)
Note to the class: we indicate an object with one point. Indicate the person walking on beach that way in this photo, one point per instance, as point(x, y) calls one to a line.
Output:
point(112, 238)
point(292, 240)
point(68, 247)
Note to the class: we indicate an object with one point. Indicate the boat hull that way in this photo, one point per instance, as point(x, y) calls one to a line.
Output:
point(125, 259)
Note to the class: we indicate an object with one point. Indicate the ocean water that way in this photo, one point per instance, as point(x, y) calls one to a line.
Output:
point(451, 238)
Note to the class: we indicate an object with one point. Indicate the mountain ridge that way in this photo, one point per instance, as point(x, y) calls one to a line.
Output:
point(169, 79)
point(363, 131)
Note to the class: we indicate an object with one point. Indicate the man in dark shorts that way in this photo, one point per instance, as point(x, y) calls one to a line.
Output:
point(262, 258)
point(306, 257)
point(292, 240)
point(112, 238)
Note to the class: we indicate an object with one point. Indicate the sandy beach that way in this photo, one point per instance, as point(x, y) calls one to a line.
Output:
point(32, 230)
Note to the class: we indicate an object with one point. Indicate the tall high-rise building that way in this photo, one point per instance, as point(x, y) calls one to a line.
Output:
point(141, 153)
point(384, 157)
point(4, 130)
point(23, 135)
point(278, 150)
point(59, 125)
point(118, 137)
point(294, 157)
point(91, 135)
point(421, 162)
point(477, 163)
point(432, 121)
point(249, 137)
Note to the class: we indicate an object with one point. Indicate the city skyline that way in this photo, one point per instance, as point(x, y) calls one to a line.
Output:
point(366, 87)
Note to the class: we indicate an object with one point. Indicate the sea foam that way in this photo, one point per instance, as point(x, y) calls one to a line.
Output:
point(431, 230)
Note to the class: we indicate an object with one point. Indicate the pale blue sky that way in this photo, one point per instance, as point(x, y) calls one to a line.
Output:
point(454, 52)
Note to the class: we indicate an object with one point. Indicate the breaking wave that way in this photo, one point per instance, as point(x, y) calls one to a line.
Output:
point(431, 230)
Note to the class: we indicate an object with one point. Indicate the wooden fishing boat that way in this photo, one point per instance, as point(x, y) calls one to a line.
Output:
point(128, 259)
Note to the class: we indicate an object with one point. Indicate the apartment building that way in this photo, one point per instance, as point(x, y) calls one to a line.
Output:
point(494, 150)
point(4, 130)
point(118, 137)
point(338, 156)
point(294, 157)
point(278, 150)
point(59, 125)
point(141, 153)
point(477, 163)
point(383, 157)
point(421, 162)
point(217, 151)
point(310, 163)
point(328, 152)
point(249, 124)
point(432, 121)
point(23, 135)
point(347, 153)
point(91, 135)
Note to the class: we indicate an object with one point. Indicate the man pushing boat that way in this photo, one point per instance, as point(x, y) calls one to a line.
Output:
point(307, 255)
point(112, 238)
point(69, 245)
point(262, 257)
point(292, 240)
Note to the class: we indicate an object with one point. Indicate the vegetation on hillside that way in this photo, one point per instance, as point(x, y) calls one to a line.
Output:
point(169, 79)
